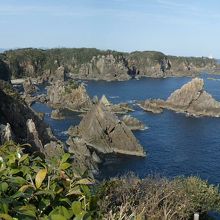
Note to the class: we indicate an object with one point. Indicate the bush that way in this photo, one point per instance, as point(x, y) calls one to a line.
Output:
point(32, 188)
point(157, 198)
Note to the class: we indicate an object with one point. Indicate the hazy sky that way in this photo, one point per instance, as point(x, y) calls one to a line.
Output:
point(178, 27)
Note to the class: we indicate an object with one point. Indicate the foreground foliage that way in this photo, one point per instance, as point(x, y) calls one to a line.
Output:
point(32, 187)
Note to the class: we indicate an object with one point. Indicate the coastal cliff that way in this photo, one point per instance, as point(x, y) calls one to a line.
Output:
point(90, 63)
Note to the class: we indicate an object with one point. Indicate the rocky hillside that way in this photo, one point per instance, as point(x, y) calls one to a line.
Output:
point(90, 63)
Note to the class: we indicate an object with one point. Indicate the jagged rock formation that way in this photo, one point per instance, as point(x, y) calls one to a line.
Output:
point(83, 63)
point(20, 122)
point(190, 99)
point(133, 123)
point(103, 131)
point(68, 95)
point(152, 105)
point(120, 108)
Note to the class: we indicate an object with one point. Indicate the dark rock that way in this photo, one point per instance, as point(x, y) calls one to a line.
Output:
point(5, 73)
point(15, 111)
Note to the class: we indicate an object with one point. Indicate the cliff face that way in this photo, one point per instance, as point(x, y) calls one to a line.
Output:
point(84, 63)
point(17, 119)
point(5, 73)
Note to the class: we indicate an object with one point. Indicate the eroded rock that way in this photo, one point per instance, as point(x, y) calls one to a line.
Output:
point(133, 123)
point(190, 99)
point(69, 95)
point(104, 132)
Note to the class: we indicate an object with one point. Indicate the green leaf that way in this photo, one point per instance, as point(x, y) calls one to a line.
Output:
point(24, 157)
point(65, 166)
point(29, 210)
point(18, 180)
point(40, 177)
point(81, 215)
point(76, 207)
point(5, 217)
point(65, 157)
point(25, 187)
point(3, 186)
point(84, 181)
point(57, 217)
point(75, 191)
point(66, 200)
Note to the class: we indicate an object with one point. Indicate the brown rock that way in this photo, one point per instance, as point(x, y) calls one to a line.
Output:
point(190, 99)
point(103, 131)
point(70, 96)
point(133, 123)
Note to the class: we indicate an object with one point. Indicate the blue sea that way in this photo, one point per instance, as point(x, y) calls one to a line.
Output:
point(176, 145)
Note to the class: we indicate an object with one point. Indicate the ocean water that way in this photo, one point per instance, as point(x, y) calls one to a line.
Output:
point(176, 145)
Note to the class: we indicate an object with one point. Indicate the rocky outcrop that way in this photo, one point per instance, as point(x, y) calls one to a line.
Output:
point(20, 121)
point(29, 87)
point(57, 114)
point(120, 108)
point(133, 123)
point(190, 99)
point(154, 105)
point(103, 131)
point(69, 95)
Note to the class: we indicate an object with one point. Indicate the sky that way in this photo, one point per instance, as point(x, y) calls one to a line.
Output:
point(174, 27)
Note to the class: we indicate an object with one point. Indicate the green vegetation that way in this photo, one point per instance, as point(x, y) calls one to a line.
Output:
point(32, 187)
point(43, 60)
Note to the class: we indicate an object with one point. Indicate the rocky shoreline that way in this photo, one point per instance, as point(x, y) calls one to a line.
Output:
point(93, 64)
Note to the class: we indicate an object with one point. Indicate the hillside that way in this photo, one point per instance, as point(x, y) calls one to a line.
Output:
point(91, 63)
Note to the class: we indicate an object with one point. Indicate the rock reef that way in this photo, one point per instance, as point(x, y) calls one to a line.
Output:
point(69, 95)
point(103, 131)
point(190, 99)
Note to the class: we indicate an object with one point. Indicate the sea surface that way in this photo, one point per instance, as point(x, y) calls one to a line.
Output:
point(176, 145)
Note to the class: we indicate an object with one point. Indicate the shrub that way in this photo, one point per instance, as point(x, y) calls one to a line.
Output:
point(32, 188)
point(157, 198)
